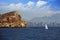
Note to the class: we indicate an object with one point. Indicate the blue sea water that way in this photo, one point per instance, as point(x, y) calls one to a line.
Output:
point(30, 33)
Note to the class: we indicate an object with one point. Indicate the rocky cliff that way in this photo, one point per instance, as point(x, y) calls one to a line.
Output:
point(11, 19)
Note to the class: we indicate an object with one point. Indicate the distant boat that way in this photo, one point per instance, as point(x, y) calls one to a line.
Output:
point(46, 27)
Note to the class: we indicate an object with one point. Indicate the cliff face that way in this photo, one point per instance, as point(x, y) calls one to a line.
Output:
point(11, 19)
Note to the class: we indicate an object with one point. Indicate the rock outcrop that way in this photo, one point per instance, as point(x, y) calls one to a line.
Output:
point(11, 19)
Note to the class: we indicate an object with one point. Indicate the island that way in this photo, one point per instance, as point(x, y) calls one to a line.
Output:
point(11, 19)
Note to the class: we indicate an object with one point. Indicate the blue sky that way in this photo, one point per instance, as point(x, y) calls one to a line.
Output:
point(29, 9)
point(52, 2)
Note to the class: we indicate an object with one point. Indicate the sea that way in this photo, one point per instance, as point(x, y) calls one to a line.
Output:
point(30, 33)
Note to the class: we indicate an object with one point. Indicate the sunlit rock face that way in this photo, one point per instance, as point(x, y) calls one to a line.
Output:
point(11, 19)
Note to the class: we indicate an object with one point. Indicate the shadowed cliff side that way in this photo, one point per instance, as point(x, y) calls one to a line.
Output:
point(11, 19)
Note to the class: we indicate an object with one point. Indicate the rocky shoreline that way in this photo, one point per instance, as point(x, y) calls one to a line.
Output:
point(11, 19)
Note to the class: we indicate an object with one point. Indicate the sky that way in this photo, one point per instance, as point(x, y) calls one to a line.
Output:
point(30, 9)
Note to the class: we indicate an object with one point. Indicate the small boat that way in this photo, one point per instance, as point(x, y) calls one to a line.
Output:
point(46, 27)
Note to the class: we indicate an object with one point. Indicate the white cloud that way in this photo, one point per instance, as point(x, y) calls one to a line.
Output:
point(27, 12)
point(30, 3)
point(40, 3)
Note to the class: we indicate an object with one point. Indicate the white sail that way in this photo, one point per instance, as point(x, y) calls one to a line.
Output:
point(46, 27)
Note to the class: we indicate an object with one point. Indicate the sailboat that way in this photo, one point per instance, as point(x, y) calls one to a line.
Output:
point(46, 27)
